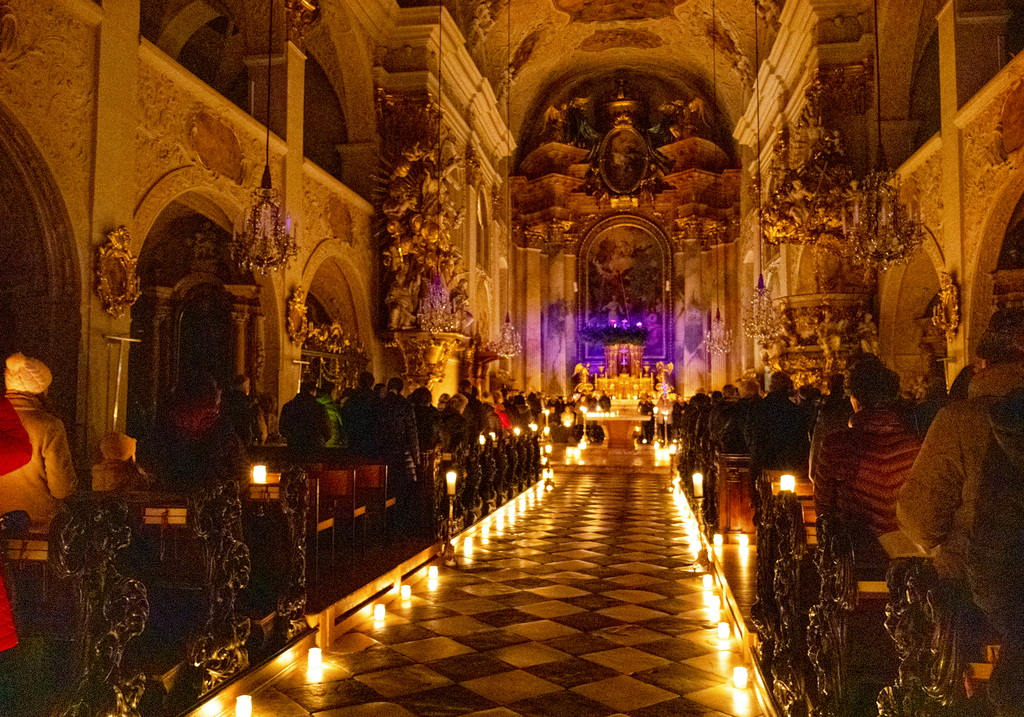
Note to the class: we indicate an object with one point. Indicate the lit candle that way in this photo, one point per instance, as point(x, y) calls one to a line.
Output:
point(718, 540)
point(723, 631)
point(533, 427)
point(547, 431)
point(517, 430)
point(787, 482)
point(673, 449)
point(259, 474)
point(432, 572)
point(744, 540)
point(483, 440)
point(243, 706)
point(451, 477)
point(698, 485)
point(709, 582)
point(739, 678)
point(467, 547)
point(315, 658)
point(406, 592)
point(548, 448)
point(714, 603)
point(378, 611)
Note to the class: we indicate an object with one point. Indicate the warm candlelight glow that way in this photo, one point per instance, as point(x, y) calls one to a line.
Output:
point(548, 448)
point(723, 631)
point(714, 603)
point(739, 678)
point(533, 427)
point(406, 592)
point(787, 482)
point(709, 582)
point(698, 485)
point(432, 572)
point(483, 441)
point(378, 611)
point(451, 477)
point(467, 547)
point(673, 449)
point(744, 540)
point(718, 540)
point(493, 436)
point(547, 431)
point(517, 430)
point(243, 706)
point(315, 658)
point(259, 474)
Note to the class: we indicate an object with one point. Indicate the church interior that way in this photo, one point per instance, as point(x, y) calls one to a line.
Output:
point(664, 196)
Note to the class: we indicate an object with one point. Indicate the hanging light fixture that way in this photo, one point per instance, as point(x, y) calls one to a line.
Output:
point(884, 234)
point(436, 314)
point(760, 321)
point(509, 343)
point(719, 338)
point(264, 242)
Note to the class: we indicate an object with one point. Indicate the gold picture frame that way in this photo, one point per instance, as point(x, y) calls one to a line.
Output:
point(117, 279)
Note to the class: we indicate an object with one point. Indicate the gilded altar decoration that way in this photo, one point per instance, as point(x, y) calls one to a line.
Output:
point(946, 314)
point(301, 14)
point(295, 319)
point(809, 190)
point(117, 281)
point(421, 213)
point(583, 385)
point(425, 354)
point(661, 372)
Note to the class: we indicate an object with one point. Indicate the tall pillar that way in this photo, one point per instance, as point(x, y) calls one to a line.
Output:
point(239, 319)
point(694, 371)
point(680, 288)
point(532, 339)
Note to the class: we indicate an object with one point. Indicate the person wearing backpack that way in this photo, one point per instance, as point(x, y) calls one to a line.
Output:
point(964, 492)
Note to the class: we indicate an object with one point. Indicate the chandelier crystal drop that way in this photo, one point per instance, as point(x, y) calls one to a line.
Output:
point(718, 339)
point(436, 314)
point(883, 232)
point(509, 343)
point(760, 320)
point(264, 241)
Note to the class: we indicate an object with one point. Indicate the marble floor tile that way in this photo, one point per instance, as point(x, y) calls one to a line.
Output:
point(403, 680)
point(540, 630)
point(510, 687)
point(528, 654)
point(626, 660)
point(556, 592)
point(623, 693)
point(434, 648)
point(452, 626)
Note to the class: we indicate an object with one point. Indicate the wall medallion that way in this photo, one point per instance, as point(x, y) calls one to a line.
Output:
point(217, 146)
point(117, 282)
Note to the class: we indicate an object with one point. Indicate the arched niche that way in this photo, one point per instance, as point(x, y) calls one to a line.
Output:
point(914, 347)
point(324, 127)
point(198, 311)
point(624, 269)
point(40, 291)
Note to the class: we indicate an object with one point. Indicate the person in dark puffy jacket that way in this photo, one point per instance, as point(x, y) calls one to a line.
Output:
point(304, 421)
point(401, 450)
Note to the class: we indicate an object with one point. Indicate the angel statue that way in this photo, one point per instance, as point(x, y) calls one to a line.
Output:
point(661, 372)
point(583, 371)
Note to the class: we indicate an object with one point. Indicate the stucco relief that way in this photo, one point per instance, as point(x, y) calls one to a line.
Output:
point(47, 75)
point(925, 184)
point(611, 39)
point(985, 170)
point(166, 143)
point(614, 10)
point(329, 218)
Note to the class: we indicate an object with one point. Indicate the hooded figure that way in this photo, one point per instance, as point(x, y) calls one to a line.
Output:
point(49, 475)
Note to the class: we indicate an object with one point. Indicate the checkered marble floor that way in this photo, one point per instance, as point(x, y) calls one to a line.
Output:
point(581, 601)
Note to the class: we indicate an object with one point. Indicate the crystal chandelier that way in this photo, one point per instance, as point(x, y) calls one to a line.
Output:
point(264, 242)
point(718, 339)
point(883, 233)
point(436, 314)
point(760, 320)
point(509, 344)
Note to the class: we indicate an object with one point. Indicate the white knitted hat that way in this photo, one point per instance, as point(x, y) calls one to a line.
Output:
point(27, 375)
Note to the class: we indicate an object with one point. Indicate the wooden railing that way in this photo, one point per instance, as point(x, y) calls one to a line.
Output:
point(177, 595)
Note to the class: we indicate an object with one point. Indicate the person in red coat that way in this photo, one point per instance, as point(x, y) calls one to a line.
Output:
point(860, 469)
point(15, 452)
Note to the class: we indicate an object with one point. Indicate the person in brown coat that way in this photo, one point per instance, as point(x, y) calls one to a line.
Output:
point(860, 470)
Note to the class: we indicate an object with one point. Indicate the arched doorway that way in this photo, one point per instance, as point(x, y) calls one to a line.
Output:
point(39, 285)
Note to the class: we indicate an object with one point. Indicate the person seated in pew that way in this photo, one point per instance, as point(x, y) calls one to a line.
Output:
point(860, 469)
point(117, 471)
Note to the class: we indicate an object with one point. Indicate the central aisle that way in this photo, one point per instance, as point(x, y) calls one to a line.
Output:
point(579, 601)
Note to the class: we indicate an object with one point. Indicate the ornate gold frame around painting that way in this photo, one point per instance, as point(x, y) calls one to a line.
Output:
point(117, 279)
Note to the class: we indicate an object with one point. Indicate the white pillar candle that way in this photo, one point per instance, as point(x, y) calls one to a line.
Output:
point(315, 658)
point(698, 485)
point(787, 482)
point(451, 477)
point(378, 611)
point(432, 572)
point(723, 631)
point(739, 678)
point(259, 474)
point(243, 706)
point(406, 592)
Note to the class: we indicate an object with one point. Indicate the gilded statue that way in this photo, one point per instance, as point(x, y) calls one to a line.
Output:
point(946, 314)
point(583, 371)
point(684, 117)
point(661, 371)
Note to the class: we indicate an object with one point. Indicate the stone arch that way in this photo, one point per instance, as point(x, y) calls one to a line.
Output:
point(40, 288)
point(913, 347)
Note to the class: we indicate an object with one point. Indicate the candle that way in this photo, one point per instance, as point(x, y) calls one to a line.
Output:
point(314, 659)
point(259, 474)
point(451, 477)
point(483, 440)
point(718, 540)
point(698, 485)
point(723, 631)
point(378, 611)
point(548, 448)
point(406, 592)
point(432, 572)
point(714, 603)
point(787, 482)
point(709, 582)
point(744, 540)
point(517, 430)
point(243, 706)
point(739, 678)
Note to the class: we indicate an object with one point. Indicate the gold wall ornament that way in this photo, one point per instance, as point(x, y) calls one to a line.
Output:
point(117, 282)
point(425, 355)
point(946, 314)
point(296, 321)
point(300, 14)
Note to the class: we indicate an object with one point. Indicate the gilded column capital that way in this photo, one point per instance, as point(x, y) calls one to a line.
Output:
point(300, 15)
point(844, 87)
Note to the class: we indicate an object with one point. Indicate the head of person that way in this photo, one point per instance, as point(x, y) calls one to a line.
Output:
point(748, 389)
point(442, 401)
point(1003, 340)
point(26, 375)
point(365, 381)
point(872, 385)
point(458, 403)
point(117, 447)
point(241, 383)
point(781, 383)
point(836, 385)
point(308, 387)
point(465, 387)
point(421, 396)
point(730, 391)
point(395, 385)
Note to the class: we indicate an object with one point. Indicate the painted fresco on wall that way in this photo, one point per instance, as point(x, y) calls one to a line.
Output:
point(624, 273)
